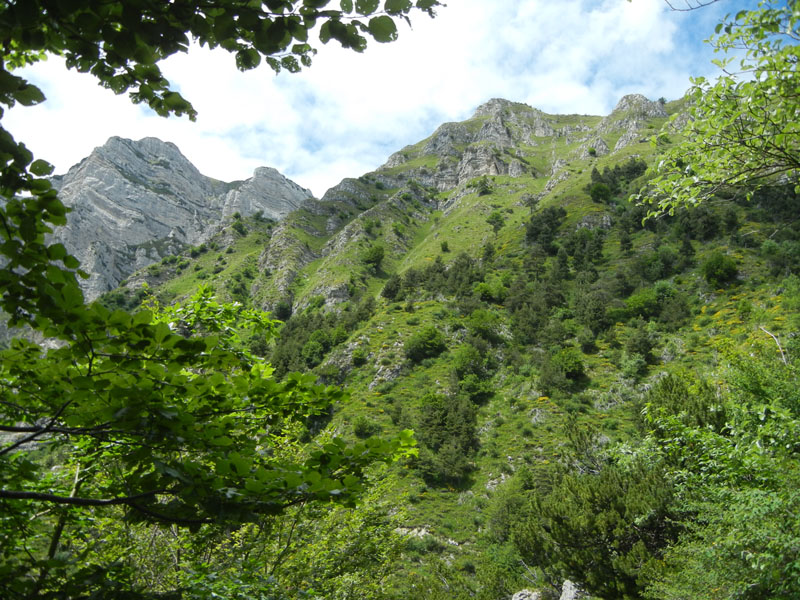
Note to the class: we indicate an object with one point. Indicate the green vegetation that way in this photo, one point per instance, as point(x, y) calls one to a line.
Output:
point(743, 128)
point(592, 396)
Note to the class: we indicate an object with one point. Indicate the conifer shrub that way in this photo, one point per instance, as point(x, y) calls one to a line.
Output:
point(363, 427)
point(373, 257)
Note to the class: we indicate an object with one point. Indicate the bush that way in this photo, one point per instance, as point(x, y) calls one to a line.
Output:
point(570, 362)
point(467, 360)
point(426, 343)
point(643, 303)
point(392, 287)
point(373, 257)
point(600, 193)
point(446, 431)
point(485, 324)
point(239, 227)
point(719, 269)
point(313, 352)
point(283, 310)
point(364, 427)
point(359, 357)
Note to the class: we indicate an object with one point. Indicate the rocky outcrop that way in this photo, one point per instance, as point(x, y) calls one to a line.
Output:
point(527, 595)
point(447, 139)
point(631, 114)
point(570, 591)
point(596, 146)
point(134, 202)
point(480, 160)
point(283, 258)
point(249, 198)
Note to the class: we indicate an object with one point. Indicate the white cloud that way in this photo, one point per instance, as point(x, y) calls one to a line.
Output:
point(348, 112)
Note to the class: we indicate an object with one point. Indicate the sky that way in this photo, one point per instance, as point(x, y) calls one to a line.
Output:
point(348, 112)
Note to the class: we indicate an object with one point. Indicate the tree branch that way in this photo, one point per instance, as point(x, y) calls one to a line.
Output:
point(774, 337)
point(43, 497)
point(47, 428)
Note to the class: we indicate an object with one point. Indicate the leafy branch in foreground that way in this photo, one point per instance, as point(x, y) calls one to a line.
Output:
point(160, 416)
point(179, 428)
point(743, 129)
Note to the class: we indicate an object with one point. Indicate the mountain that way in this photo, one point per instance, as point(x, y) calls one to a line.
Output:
point(492, 288)
point(135, 202)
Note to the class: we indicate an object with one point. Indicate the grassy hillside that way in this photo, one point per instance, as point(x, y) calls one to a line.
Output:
point(516, 323)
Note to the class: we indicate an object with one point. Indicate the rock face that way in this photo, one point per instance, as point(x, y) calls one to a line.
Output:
point(570, 591)
point(527, 595)
point(489, 142)
point(134, 202)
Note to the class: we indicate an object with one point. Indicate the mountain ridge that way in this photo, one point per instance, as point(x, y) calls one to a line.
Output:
point(134, 202)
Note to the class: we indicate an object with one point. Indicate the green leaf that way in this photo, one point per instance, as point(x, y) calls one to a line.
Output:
point(383, 29)
point(247, 59)
point(367, 7)
point(397, 6)
point(29, 95)
point(347, 6)
point(41, 168)
point(325, 33)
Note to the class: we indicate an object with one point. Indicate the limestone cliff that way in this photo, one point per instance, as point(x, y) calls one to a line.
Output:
point(134, 202)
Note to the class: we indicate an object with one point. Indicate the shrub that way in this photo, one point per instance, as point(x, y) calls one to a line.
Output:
point(485, 324)
point(429, 342)
point(359, 357)
point(600, 192)
point(570, 362)
point(392, 287)
point(467, 360)
point(496, 220)
point(643, 303)
point(483, 187)
point(445, 246)
point(364, 427)
point(283, 310)
point(719, 269)
point(373, 257)
point(312, 353)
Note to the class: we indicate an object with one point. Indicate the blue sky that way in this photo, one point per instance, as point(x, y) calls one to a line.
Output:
point(347, 113)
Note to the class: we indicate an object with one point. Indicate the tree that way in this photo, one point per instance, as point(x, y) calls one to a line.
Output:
point(373, 257)
point(734, 463)
point(160, 416)
point(605, 530)
point(743, 128)
point(496, 220)
point(447, 433)
point(166, 415)
point(600, 193)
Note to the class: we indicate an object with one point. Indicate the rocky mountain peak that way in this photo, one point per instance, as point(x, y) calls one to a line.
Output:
point(267, 183)
point(631, 116)
point(493, 107)
point(639, 106)
point(134, 202)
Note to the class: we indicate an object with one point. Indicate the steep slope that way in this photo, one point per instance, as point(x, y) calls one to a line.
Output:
point(135, 202)
point(517, 298)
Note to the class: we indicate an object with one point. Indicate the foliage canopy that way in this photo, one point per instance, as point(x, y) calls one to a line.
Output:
point(163, 414)
point(744, 128)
